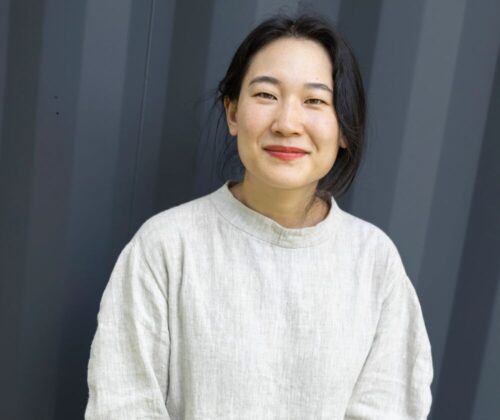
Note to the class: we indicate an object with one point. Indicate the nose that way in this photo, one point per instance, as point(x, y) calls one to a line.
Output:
point(288, 120)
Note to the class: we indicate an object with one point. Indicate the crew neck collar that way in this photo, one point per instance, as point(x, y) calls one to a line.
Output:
point(266, 229)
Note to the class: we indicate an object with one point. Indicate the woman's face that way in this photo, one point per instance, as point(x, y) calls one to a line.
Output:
point(286, 100)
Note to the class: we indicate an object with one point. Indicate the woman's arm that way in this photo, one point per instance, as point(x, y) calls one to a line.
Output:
point(128, 366)
point(395, 381)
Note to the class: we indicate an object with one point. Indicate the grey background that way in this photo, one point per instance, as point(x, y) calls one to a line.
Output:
point(104, 121)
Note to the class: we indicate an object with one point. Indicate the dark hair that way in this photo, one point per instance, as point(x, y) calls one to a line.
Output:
point(348, 91)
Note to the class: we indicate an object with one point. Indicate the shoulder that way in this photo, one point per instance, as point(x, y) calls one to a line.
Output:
point(364, 234)
point(171, 225)
point(371, 245)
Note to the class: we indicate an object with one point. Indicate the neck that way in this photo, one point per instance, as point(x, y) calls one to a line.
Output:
point(291, 208)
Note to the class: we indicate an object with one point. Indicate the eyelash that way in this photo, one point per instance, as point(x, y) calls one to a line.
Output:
point(312, 101)
point(316, 101)
point(265, 95)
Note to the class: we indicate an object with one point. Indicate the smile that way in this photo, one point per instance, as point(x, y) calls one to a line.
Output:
point(285, 153)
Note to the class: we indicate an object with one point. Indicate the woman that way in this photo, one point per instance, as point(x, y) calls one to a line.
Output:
point(264, 299)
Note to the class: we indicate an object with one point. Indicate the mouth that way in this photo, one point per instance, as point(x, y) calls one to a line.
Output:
point(285, 153)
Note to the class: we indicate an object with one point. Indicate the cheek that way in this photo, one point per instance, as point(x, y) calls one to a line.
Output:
point(253, 119)
point(327, 120)
point(325, 131)
point(247, 122)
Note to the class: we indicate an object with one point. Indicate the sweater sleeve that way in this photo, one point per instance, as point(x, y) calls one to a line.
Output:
point(394, 383)
point(128, 366)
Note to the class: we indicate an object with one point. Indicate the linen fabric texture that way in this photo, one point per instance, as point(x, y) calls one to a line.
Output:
point(215, 311)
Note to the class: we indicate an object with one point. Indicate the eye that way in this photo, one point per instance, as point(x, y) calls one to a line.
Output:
point(265, 95)
point(315, 101)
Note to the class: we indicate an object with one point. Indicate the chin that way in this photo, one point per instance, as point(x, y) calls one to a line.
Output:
point(286, 182)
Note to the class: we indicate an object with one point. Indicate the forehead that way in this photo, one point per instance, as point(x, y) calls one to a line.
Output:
point(292, 59)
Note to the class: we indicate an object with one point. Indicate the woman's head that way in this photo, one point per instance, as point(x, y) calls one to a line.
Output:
point(299, 80)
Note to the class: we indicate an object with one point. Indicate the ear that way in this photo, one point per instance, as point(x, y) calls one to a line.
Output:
point(342, 141)
point(231, 114)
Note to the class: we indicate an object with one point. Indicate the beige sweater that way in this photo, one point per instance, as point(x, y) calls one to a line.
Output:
point(214, 311)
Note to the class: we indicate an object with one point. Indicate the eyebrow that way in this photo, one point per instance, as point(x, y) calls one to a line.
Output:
point(274, 81)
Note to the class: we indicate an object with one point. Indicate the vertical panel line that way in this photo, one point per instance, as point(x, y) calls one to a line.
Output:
point(142, 116)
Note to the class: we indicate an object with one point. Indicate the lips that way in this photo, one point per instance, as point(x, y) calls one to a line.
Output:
point(285, 149)
point(285, 152)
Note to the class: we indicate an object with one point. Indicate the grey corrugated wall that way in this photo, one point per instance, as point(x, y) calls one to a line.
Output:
point(102, 109)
